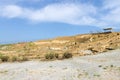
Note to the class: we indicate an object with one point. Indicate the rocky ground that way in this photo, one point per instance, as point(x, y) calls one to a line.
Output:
point(104, 66)
point(78, 45)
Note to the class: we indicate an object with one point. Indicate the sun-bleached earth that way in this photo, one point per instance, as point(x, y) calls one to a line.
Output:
point(105, 66)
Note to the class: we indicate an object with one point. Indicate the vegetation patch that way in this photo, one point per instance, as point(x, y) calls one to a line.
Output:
point(100, 66)
point(51, 55)
point(4, 71)
point(14, 58)
point(22, 58)
point(96, 75)
point(67, 55)
point(4, 58)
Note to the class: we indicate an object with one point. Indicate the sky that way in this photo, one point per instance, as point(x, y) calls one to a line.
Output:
point(29, 20)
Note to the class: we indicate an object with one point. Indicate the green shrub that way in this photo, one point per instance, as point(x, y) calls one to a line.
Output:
point(49, 56)
point(97, 75)
point(4, 58)
point(67, 55)
point(56, 55)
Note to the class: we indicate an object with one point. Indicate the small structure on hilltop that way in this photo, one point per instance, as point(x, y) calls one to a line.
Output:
point(108, 30)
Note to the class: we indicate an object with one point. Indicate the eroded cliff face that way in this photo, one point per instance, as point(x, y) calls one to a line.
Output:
point(75, 44)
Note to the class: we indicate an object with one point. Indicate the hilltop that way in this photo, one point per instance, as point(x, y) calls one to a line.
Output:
point(78, 45)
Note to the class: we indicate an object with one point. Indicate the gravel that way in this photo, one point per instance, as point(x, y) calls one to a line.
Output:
point(95, 67)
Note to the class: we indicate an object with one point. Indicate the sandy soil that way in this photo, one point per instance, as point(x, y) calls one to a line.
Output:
point(104, 66)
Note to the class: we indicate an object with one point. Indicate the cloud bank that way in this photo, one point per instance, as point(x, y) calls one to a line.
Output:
point(71, 13)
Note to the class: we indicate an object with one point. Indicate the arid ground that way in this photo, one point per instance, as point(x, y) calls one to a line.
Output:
point(104, 66)
point(78, 45)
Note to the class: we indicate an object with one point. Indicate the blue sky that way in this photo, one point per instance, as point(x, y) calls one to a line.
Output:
point(28, 20)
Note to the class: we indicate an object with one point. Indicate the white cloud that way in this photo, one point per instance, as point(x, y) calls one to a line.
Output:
point(71, 13)
point(112, 16)
point(11, 11)
point(61, 13)
point(65, 13)
point(111, 4)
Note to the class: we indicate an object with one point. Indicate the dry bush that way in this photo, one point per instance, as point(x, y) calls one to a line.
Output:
point(51, 55)
point(14, 58)
point(4, 58)
point(22, 58)
point(56, 55)
point(67, 55)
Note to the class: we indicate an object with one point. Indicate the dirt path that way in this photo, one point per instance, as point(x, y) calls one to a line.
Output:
point(97, 67)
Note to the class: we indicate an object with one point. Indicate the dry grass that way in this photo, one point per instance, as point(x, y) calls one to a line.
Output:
point(67, 55)
point(32, 50)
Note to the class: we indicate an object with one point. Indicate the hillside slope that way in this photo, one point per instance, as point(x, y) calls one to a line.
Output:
point(79, 45)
